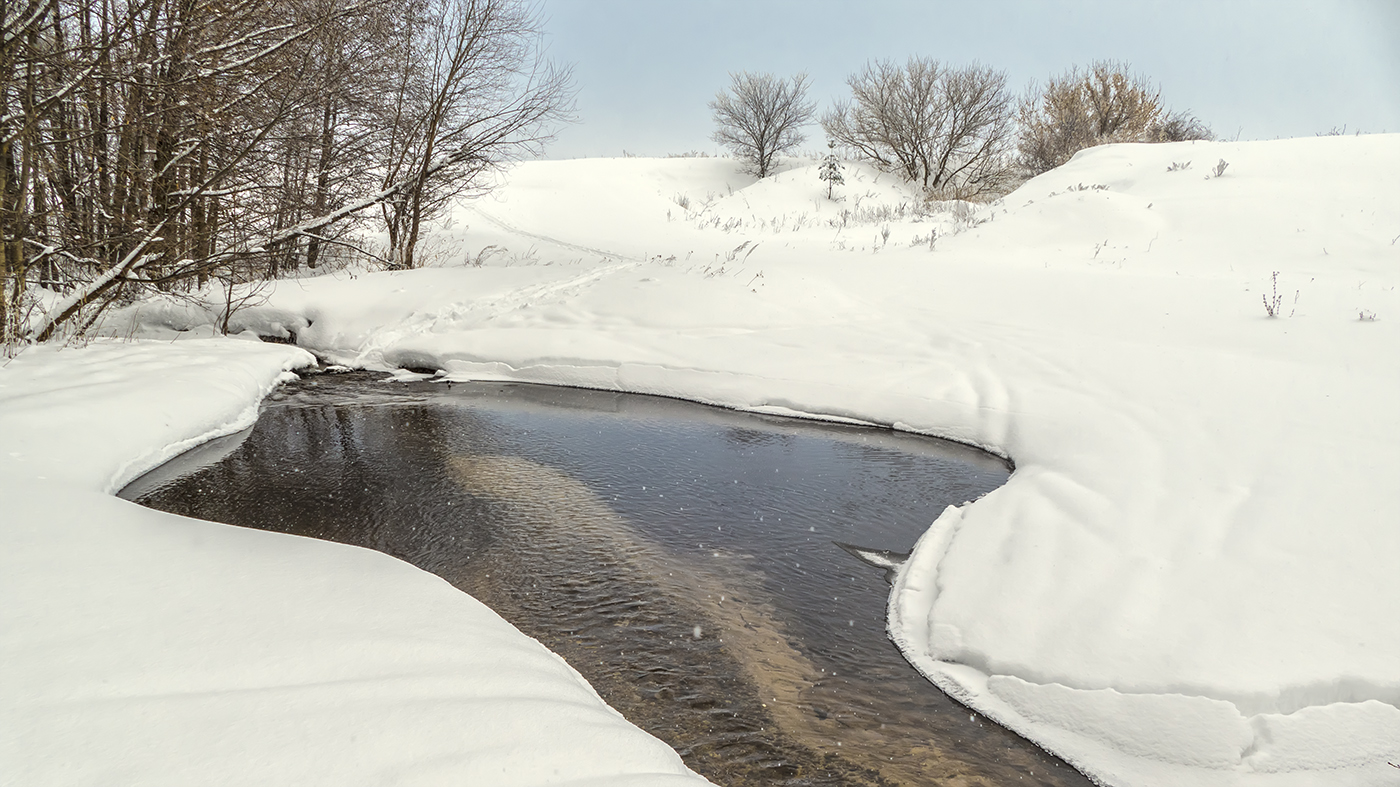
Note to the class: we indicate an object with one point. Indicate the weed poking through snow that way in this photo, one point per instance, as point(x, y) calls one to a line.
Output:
point(920, 240)
point(485, 254)
point(1275, 305)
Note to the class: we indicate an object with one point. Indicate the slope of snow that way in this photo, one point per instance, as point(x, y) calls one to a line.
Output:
point(1189, 579)
point(145, 648)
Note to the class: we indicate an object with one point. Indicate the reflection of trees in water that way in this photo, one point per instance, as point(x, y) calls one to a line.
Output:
point(748, 438)
point(371, 477)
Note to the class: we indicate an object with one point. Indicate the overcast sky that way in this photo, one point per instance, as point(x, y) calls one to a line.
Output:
point(1278, 68)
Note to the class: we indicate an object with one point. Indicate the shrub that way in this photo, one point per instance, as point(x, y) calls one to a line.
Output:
point(1105, 103)
point(831, 170)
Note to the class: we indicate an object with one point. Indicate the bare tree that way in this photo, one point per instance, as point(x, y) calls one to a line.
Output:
point(161, 145)
point(760, 116)
point(323, 156)
point(133, 121)
point(1105, 103)
point(947, 129)
point(473, 94)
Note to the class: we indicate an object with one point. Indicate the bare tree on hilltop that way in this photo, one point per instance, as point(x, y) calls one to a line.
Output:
point(1102, 104)
point(760, 116)
point(950, 130)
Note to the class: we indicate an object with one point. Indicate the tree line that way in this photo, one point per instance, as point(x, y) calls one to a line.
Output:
point(164, 145)
point(159, 145)
point(956, 132)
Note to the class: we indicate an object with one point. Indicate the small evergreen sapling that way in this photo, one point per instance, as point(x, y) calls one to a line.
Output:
point(831, 170)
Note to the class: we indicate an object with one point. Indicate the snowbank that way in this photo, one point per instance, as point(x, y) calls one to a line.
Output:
point(1190, 577)
point(141, 647)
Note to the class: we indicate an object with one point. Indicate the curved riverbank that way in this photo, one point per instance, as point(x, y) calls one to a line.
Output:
point(681, 557)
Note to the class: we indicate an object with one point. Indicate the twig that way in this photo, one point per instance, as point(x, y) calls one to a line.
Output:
point(1275, 305)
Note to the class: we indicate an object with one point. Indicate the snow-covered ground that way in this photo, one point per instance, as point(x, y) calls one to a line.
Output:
point(1189, 579)
point(144, 648)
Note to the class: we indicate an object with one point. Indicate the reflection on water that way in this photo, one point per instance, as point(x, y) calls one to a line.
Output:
point(683, 558)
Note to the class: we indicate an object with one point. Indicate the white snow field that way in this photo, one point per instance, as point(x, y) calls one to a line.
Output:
point(1190, 577)
point(144, 648)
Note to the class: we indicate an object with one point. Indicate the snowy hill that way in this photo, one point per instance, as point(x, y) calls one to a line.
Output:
point(1190, 577)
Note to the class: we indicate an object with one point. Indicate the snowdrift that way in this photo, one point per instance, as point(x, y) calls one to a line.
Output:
point(1189, 577)
point(145, 648)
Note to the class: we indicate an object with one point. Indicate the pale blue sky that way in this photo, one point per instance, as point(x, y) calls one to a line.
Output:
point(646, 68)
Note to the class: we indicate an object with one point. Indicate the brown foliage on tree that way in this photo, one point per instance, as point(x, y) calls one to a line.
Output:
point(1102, 104)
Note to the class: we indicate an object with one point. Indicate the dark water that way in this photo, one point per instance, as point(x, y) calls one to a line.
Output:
point(681, 557)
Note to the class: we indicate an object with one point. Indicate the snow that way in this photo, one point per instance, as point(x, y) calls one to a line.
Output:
point(142, 647)
point(1188, 579)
